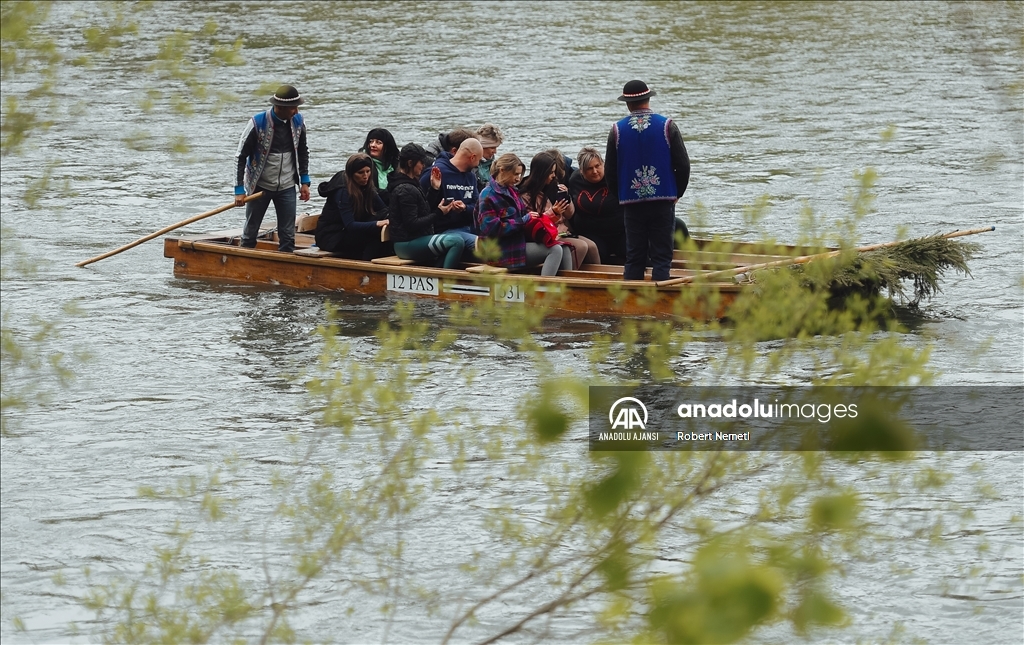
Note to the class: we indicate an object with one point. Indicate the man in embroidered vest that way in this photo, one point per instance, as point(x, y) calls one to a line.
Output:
point(272, 157)
point(647, 170)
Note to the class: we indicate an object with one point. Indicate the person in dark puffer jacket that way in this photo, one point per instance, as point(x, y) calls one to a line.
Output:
point(412, 217)
point(351, 220)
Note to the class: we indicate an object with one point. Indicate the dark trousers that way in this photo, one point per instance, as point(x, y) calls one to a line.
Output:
point(285, 203)
point(649, 230)
point(609, 235)
point(363, 245)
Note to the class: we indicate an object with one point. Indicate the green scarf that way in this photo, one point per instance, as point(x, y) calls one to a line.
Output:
point(382, 174)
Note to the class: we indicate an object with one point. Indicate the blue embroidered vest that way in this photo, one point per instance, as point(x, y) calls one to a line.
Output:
point(264, 125)
point(644, 158)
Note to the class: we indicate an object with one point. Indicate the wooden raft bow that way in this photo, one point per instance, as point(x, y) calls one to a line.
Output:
point(804, 259)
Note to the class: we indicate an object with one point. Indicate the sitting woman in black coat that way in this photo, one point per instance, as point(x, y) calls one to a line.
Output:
point(354, 213)
point(598, 216)
point(412, 218)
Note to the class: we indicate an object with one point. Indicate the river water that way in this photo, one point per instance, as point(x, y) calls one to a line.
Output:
point(773, 99)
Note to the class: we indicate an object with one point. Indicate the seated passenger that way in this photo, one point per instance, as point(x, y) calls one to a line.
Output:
point(502, 216)
point(458, 183)
point(563, 164)
point(598, 216)
point(543, 194)
point(381, 147)
point(490, 137)
point(446, 143)
point(351, 220)
point(411, 218)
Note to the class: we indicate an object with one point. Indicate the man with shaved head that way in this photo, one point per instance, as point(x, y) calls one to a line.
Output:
point(458, 184)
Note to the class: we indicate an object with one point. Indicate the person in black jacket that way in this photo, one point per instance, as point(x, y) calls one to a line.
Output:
point(412, 217)
point(598, 215)
point(351, 220)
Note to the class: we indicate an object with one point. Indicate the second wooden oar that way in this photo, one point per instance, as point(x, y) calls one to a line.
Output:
point(803, 259)
point(167, 229)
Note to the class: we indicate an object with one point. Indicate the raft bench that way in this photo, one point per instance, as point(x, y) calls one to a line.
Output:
point(392, 260)
point(484, 268)
point(313, 252)
point(395, 261)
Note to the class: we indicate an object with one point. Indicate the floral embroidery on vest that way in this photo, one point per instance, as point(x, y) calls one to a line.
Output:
point(266, 138)
point(639, 122)
point(645, 182)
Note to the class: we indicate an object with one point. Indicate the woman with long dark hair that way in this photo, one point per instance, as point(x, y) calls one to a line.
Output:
point(412, 218)
point(381, 147)
point(544, 194)
point(351, 220)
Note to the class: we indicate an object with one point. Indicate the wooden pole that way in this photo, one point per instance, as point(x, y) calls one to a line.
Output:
point(167, 229)
point(803, 259)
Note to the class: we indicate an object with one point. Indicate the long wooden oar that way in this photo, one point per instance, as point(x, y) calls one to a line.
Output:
point(167, 230)
point(803, 259)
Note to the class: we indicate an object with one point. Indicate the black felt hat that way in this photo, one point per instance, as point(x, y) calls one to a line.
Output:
point(287, 96)
point(636, 91)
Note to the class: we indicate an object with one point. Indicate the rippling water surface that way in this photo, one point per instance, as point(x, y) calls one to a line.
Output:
point(777, 99)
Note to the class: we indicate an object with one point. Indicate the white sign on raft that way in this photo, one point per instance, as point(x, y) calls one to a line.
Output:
point(431, 286)
point(509, 293)
point(427, 285)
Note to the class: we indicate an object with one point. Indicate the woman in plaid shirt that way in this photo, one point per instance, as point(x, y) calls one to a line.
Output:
point(502, 215)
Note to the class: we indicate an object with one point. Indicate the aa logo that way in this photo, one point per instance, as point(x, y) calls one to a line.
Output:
point(626, 414)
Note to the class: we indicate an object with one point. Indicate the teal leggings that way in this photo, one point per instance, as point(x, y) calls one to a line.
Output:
point(431, 247)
